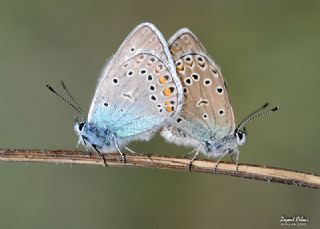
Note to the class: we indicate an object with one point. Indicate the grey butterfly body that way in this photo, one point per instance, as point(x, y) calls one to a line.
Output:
point(206, 121)
point(136, 94)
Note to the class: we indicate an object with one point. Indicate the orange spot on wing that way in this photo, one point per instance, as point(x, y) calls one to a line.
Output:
point(167, 91)
point(180, 68)
point(169, 109)
point(162, 80)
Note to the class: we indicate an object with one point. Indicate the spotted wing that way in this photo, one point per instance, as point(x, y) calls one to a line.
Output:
point(139, 89)
point(206, 111)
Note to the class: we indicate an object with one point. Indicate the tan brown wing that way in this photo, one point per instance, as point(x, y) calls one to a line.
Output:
point(206, 111)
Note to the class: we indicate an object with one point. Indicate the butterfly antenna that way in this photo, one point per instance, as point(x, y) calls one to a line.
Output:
point(254, 115)
point(256, 111)
point(72, 98)
point(66, 101)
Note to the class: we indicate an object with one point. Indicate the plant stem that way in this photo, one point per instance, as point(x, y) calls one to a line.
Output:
point(255, 172)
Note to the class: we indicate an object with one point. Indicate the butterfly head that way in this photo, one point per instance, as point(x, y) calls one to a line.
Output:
point(227, 144)
point(230, 143)
point(241, 136)
point(80, 127)
point(91, 135)
point(88, 133)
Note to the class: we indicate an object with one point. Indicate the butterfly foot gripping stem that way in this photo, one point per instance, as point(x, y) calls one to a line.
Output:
point(100, 154)
point(215, 167)
point(123, 158)
point(217, 163)
point(237, 168)
point(193, 159)
point(236, 162)
point(190, 166)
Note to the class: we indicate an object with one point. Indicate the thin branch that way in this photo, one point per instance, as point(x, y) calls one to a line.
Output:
point(255, 172)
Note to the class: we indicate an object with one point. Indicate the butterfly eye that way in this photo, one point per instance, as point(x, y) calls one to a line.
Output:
point(241, 138)
point(81, 125)
point(132, 49)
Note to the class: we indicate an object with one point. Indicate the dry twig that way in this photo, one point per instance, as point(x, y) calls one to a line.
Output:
point(256, 172)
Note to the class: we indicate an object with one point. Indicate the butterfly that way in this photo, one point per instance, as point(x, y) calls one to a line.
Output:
point(206, 121)
point(137, 93)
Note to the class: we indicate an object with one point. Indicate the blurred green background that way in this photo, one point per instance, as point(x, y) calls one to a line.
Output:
point(268, 51)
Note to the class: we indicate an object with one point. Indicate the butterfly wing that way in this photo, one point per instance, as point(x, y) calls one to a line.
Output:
point(207, 111)
point(139, 89)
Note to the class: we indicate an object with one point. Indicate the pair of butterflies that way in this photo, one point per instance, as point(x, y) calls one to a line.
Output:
point(151, 85)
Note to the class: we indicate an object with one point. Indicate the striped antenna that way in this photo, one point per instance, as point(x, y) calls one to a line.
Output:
point(254, 115)
point(75, 107)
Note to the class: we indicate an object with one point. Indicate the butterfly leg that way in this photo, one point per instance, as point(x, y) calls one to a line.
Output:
point(187, 154)
point(123, 156)
point(219, 160)
point(194, 156)
point(130, 150)
point(95, 147)
point(85, 145)
point(192, 160)
point(237, 159)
